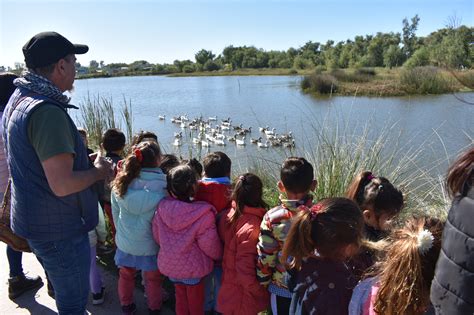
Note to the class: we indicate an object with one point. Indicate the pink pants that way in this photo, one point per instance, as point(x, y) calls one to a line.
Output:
point(126, 285)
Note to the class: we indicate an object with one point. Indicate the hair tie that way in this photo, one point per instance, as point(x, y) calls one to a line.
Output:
point(425, 241)
point(315, 210)
point(138, 155)
point(370, 176)
point(242, 178)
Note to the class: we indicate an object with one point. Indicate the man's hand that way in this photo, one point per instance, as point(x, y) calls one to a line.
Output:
point(104, 166)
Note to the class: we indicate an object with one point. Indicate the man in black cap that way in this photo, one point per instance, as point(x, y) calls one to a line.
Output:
point(53, 204)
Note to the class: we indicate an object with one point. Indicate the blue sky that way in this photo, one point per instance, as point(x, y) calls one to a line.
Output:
point(162, 31)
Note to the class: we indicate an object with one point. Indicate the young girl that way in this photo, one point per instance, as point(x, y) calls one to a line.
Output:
point(402, 279)
point(137, 189)
point(239, 228)
point(186, 232)
point(379, 202)
point(319, 241)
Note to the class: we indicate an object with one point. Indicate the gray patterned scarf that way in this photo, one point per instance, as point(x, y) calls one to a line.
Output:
point(43, 86)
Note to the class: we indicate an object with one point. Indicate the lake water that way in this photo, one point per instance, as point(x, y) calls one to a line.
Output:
point(439, 125)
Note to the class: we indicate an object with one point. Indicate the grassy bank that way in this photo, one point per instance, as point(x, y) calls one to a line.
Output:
point(386, 82)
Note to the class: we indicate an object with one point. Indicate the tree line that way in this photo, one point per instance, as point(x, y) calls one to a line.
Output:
point(452, 46)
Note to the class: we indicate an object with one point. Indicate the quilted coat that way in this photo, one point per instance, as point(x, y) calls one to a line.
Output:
point(452, 289)
point(216, 194)
point(187, 235)
point(241, 293)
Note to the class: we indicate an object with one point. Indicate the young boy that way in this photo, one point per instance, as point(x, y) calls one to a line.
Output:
point(113, 143)
point(215, 188)
point(296, 182)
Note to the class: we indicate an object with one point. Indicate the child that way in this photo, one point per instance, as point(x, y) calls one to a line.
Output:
point(319, 241)
point(83, 134)
point(186, 232)
point(113, 142)
point(450, 293)
point(195, 165)
point(144, 136)
point(97, 236)
point(402, 280)
point(239, 228)
point(379, 202)
point(296, 181)
point(137, 189)
point(216, 189)
point(168, 161)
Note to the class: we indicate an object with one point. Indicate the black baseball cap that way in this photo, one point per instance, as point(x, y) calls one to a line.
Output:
point(46, 48)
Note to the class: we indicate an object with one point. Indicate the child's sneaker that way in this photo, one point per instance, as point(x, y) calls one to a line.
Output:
point(98, 298)
point(129, 309)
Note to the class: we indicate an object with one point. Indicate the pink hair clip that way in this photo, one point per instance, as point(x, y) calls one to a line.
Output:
point(370, 176)
point(315, 210)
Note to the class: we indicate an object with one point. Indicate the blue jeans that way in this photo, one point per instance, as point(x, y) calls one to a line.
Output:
point(14, 261)
point(67, 263)
point(212, 284)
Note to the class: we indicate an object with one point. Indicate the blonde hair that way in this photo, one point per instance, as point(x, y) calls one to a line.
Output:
point(405, 274)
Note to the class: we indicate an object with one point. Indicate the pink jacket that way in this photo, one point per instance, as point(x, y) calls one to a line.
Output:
point(187, 235)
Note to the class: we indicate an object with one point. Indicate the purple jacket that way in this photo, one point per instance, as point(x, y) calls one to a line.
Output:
point(188, 239)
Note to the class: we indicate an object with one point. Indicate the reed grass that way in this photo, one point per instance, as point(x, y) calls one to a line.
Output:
point(98, 115)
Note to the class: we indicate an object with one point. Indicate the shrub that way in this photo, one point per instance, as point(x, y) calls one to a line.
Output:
point(365, 71)
point(188, 69)
point(319, 69)
point(319, 83)
point(425, 80)
point(293, 71)
point(356, 77)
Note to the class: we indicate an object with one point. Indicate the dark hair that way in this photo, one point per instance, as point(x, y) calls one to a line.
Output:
point(144, 136)
point(405, 274)
point(297, 174)
point(327, 227)
point(150, 155)
point(168, 161)
point(6, 88)
point(181, 182)
point(461, 174)
point(82, 131)
point(376, 194)
point(195, 165)
point(113, 140)
point(248, 191)
point(217, 164)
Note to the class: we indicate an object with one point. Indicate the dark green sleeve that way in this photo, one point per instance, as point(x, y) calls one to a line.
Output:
point(50, 132)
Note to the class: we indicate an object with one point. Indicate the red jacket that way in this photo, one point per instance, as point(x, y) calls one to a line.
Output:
point(240, 292)
point(216, 194)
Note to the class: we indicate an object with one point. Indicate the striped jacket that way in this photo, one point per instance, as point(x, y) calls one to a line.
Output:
point(273, 231)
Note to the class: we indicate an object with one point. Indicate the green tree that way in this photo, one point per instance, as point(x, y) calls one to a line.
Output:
point(409, 39)
point(393, 56)
point(203, 56)
point(421, 57)
point(93, 65)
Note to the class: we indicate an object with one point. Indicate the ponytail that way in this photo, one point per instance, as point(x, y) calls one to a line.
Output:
point(248, 191)
point(407, 270)
point(356, 189)
point(298, 243)
point(328, 227)
point(145, 154)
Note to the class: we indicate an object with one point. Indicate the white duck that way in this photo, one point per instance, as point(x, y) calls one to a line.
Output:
point(263, 145)
point(240, 141)
point(161, 117)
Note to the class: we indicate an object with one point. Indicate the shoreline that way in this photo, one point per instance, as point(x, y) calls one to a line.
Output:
point(385, 83)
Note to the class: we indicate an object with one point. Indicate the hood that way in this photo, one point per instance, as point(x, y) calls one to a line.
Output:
point(178, 215)
point(144, 192)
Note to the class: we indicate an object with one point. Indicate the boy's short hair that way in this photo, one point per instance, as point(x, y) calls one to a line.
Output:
point(144, 136)
point(216, 164)
point(297, 175)
point(82, 132)
point(113, 140)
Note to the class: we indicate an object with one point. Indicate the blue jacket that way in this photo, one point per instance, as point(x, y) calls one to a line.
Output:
point(36, 212)
point(134, 212)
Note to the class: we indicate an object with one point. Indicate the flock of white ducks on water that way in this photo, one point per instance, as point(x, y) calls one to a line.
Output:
point(210, 132)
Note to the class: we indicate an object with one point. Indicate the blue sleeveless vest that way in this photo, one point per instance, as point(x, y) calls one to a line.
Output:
point(36, 212)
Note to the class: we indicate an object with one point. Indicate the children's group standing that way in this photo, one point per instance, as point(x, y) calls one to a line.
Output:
point(225, 252)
